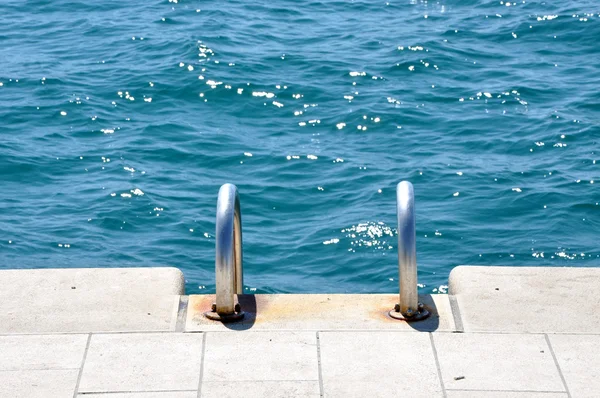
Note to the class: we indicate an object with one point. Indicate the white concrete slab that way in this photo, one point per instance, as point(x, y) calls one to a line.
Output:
point(378, 364)
point(257, 356)
point(142, 362)
point(578, 357)
point(42, 351)
point(89, 299)
point(171, 394)
point(527, 299)
point(501, 362)
point(38, 383)
point(504, 394)
point(275, 351)
point(260, 389)
point(320, 312)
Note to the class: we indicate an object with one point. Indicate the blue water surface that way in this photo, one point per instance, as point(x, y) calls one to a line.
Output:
point(119, 120)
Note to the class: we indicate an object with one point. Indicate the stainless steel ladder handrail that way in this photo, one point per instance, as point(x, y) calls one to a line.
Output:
point(409, 307)
point(228, 256)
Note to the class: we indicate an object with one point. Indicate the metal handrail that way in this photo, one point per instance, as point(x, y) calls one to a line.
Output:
point(409, 307)
point(228, 256)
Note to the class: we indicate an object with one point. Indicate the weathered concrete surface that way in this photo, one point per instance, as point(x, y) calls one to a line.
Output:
point(478, 361)
point(89, 299)
point(38, 383)
point(300, 345)
point(260, 389)
point(287, 364)
point(320, 312)
point(273, 356)
point(502, 394)
point(142, 362)
point(527, 299)
point(170, 394)
point(576, 356)
point(378, 364)
point(261, 364)
point(41, 352)
point(40, 366)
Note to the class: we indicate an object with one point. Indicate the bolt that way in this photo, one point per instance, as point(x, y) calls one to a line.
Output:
point(213, 308)
point(397, 308)
point(238, 308)
point(410, 312)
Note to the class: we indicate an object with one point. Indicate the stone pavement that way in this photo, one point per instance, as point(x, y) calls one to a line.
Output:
point(345, 347)
point(299, 364)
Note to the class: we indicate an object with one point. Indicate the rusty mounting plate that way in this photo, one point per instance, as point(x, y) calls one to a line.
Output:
point(225, 318)
point(420, 314)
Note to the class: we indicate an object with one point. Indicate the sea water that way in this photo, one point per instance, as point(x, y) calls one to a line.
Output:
point(119, 121)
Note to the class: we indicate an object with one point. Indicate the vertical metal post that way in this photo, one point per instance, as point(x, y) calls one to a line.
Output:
point(237, 245)
point(228, 256)
point(409, 307)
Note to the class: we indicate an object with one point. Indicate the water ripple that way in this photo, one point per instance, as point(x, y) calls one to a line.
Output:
point(121, 120)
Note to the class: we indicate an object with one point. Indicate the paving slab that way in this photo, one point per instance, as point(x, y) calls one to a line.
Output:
point(527, 299)
point(320, 312)
point(378, 364)
point(38, 383)
point(504, 394)
point(23, 352)
point(170, 394)
point(298, 345)
point(501, 362)
point(578, 357)
point(89, 299)
point(260, 389)
point(256, 356)
point(142, 362)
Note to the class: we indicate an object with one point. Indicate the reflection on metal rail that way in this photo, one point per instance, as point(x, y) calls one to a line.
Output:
point(228, 258)
point(409, 308)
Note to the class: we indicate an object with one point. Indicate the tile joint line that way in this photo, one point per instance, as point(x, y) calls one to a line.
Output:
point(321, 391)
point(437, 364)
point(562, 377)
point(85, 352)
point(202, 364)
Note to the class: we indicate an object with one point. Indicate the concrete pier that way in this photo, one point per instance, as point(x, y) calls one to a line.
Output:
point(133, 333)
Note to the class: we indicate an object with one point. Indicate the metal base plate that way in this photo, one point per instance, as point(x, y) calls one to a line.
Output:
point(236, 316)
point(419, 315)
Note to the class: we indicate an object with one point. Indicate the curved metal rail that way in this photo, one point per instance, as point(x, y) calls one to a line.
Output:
point(409, 307)
point(228, 256)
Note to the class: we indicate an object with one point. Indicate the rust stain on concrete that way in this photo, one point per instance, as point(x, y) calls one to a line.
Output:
point(317, 312)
